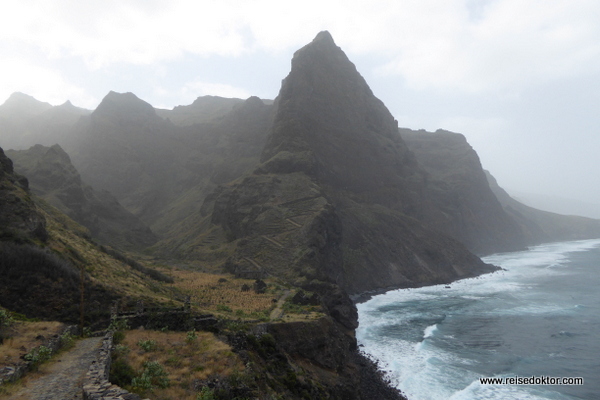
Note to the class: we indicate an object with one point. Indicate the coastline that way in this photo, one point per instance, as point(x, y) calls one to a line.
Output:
point(365, 296)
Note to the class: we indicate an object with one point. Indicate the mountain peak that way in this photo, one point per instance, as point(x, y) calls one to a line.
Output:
point(324, 36)
point(24, 103)
point(330, 123)
point(124, 106)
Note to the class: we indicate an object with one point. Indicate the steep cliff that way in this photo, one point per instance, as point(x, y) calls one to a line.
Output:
point(461, 203)
point(334, 197)
point(52, 177)
point(20, 220)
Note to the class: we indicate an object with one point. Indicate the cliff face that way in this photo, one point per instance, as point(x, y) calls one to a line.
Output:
point(333, 198)
point(55, 179)
point(460, 201)
point(20, 221)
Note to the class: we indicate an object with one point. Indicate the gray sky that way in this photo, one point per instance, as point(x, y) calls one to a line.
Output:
point(520, 78)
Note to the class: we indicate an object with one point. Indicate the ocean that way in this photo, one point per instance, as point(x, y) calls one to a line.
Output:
point(540, 317)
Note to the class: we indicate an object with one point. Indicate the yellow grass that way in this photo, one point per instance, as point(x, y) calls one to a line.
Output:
point(23, 338)
point(183, 361)
point(102, 268)
point(208, 293)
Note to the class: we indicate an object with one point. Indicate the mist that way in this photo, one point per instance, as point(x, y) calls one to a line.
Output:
point(520, 80)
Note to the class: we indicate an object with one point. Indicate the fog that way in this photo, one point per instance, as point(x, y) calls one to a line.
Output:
point(521, 80)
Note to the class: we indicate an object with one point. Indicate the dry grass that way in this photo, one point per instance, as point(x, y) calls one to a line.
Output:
point(209, 294)
point(184, 361)
point(68, 238)
point(23, 337)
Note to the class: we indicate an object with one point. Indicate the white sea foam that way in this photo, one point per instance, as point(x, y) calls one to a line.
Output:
point(477, 391)
point(429, 331)
point(426, 372)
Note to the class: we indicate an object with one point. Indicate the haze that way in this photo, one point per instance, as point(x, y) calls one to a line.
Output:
point(521, 80)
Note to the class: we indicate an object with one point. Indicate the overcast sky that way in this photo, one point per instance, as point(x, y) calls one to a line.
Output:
point(519, 78)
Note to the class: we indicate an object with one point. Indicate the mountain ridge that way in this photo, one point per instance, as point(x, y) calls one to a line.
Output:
point(54, 178)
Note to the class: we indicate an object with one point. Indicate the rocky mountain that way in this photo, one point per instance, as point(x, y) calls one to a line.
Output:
point(334, 195)
point(160, 171)
point(25, 121)
point(52, 177)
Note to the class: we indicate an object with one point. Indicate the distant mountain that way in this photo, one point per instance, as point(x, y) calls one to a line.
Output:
point(557, 204)
point(543, 226)
point(203, 109)
point(160, 171)
point(52, 177)
point(25, 121)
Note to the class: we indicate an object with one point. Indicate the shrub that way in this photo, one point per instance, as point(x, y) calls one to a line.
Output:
point(206, 394)
point(121, 373)
point(191, 336)
point(153, 376)
point(118, 325)
point(38, 355)
point(67, 340)
point(118, 337)
point(6, 318)
point(148, 345)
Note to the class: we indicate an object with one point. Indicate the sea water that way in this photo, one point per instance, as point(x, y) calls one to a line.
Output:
point(540, 316)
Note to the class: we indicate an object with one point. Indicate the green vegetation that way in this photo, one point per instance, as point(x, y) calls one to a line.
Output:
point(206, 394)
point(6, 318)
point(191, 336)
point(148, 345)
point(38, 356)
point(153, 376)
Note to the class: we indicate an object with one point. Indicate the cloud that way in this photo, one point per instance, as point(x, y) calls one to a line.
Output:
point(511, 44)
point(42, 83)
point(465, 45)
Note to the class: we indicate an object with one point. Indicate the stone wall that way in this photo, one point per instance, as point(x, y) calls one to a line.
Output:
point(96, 385)
point(12, 373)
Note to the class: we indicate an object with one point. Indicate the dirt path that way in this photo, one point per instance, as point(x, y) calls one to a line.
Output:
point(277, 313)
point(62, 380)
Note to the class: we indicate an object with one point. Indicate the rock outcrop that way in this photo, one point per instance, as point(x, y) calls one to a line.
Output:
point(20, 221)
point(334, 197)
point(460, 202)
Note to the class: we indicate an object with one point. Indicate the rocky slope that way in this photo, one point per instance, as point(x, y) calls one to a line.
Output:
point(52, 177)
